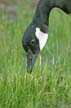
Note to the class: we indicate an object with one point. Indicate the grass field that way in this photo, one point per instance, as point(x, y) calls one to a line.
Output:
point(49, 85)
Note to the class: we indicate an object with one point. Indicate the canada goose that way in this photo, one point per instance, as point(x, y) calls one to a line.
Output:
point(36, 35)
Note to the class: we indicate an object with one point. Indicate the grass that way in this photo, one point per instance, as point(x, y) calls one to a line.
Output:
point(49, 85)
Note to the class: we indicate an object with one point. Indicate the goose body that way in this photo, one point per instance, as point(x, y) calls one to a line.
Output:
point(36, 34)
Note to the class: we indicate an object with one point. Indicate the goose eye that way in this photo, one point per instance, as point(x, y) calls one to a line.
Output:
point(32, 41)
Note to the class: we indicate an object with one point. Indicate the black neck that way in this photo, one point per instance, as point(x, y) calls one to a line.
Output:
point(44, 8)
point(42, 14)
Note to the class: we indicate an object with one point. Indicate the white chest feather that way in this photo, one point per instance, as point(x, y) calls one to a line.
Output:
point(42, 37)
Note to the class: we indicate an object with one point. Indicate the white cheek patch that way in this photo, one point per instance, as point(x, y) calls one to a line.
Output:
point(42, 37)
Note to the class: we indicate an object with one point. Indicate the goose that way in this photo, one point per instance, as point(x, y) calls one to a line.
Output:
point(36, 34)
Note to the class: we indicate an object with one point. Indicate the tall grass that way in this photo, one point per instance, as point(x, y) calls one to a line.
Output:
point(49, 85)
